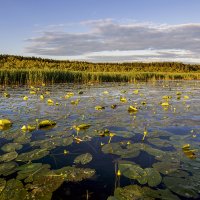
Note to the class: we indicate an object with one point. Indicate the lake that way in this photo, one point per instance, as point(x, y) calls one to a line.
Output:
point(112, 141)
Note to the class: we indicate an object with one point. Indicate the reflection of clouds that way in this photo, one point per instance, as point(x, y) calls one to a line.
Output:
point(108, 40)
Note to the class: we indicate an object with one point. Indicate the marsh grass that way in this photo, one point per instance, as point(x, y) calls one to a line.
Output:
point(50, 76)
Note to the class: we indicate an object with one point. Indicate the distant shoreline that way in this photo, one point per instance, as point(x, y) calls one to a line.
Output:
point(32, 70)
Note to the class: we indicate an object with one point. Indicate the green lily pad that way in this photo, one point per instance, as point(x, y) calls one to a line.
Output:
point(8, 156)
point(26, 170)
point(8, 168)
point(9, 147)
point(121, 149)
point(131, 192)
point(159, 142)
point(74, 174)
point(52, 143)
point(43, 187)
point(136, 192)
point(143, 176)
point(83, 159)
point(23, 139)
point(154, 177)
point(2, 184)
point(180, 186)
point(14, 190)
point(166, 167)
point(34, 175)
point(32, 155)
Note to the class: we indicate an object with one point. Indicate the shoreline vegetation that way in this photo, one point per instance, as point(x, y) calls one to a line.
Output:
point(32, 70)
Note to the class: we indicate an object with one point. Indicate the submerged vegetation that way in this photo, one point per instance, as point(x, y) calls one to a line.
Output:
point(32, 70)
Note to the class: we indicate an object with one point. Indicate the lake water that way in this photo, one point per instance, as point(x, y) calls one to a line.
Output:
point(151, 152)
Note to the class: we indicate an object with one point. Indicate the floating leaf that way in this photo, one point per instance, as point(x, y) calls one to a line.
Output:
point(74, 174)
point(8, 156)
point(143, 176)
point(166, 167)
point(8, 168)
point(32, 155)
point(14, 190)
point(2, 184)
point(154, 177)
point(121, 149)
point(135, 192)
point(83, 159)
point(43, 187)
point(9, 147)
point(180, 186)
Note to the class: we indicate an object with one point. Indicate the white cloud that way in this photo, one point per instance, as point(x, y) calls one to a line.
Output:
point(108, 40)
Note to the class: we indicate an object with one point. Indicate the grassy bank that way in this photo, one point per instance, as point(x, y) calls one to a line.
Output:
point(31, 70)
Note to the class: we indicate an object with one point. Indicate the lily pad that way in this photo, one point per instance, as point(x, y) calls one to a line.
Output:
point(136, 192)
point(154, 177)
point(143, 176)
point(166, 167)
point(74, 174)
point(83, 159)
point(43, 187)
point(8, 156)
point(159, 142)
point(14, 190)
point(9, 147)
point(8, 168)
point(2, 184)
point(32, 155)
point(180, 186)
point(121, 149)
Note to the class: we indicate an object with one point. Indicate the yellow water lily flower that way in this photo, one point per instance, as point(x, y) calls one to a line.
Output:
point(50, 102)
point(65, 152)
point(25, 98)
point(132, 109)
point(165, 104)
point(105, 92)
point(46, 123)
point(111, 136)
point(136, 91)
point(99, 107)
point(5, 94)
point(119, 173)
point(68, 95)
point(5, 122)
point(28, 128)
point(186, 146)
point(186, 97)
point(123, 99)
point(32, 92)
point(42, 97)
point(145, 134)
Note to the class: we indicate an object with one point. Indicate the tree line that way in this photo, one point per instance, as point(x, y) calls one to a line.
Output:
point(20, 62)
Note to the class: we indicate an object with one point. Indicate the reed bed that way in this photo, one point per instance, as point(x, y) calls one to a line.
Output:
point(50, 76)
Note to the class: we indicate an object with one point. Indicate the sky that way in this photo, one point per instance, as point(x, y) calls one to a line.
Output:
point(102, 30)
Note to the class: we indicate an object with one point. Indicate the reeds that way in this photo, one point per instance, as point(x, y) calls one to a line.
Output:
point(50, 76)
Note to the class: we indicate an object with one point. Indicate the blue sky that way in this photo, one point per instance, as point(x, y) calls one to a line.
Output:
point(102, 30)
